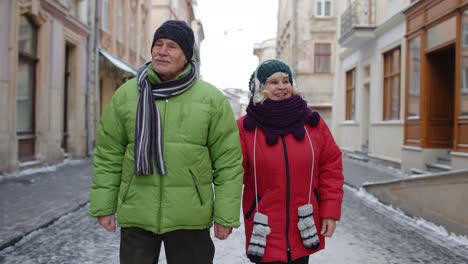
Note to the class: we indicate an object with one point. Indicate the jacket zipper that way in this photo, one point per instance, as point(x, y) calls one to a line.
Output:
point(317, 197)
point(195, 183)
point(252, 207)
point(288, 245)
point(160, 178)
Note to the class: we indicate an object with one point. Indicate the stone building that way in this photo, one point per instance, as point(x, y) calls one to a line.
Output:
point(306, 38)
point(64, 60)
point(43, 82)
point(400, 91)
point(265, 50)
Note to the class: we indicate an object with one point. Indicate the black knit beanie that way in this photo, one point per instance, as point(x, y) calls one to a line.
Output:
point(178, 31)
point(265, 70)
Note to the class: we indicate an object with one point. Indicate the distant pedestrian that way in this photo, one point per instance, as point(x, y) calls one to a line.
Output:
point(293, 180)
point(168, 160)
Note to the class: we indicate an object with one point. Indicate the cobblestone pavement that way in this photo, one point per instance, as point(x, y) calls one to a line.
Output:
point(29, 202)
point(369, 233)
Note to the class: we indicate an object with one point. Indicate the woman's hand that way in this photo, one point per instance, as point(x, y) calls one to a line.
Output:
point(328, 227)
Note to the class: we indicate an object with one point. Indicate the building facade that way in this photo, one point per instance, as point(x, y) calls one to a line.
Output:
point(400, 77)
point(238, 99)
point(265, 50)
point(306, 38)
point(65, 59)
point(436, 116)
point(43, 82)
point(123, 44)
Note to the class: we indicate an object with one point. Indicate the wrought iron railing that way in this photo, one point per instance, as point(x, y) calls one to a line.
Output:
point(359, 13)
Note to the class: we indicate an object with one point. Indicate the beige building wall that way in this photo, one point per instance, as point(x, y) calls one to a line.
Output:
point(59, 24)
point(363, 51)
point(300, 28)
point(8, 144)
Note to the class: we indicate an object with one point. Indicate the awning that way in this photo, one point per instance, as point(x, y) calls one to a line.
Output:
point(118, 62)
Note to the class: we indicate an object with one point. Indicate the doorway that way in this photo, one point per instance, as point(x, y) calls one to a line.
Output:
point(69, 98)
point(66, 86)
point(441, 97)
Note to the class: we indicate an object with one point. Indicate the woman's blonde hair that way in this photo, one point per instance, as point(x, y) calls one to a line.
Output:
point(263, 94)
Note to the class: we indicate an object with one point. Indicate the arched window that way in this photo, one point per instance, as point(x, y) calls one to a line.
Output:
point(25, 91)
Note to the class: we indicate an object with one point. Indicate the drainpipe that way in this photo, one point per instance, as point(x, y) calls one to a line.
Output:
point(295, 60)
point(96, 69)
point(88, 77)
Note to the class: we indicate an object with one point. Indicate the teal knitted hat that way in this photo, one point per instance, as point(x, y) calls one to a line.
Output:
point(265, 70)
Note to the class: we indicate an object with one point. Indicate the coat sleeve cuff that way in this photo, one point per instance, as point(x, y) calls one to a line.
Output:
point(330, 209)
point(102, 212)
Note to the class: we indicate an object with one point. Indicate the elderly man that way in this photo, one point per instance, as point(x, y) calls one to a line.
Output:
point(168, 159)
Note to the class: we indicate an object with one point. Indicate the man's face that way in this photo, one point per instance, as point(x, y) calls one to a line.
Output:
point(168, 59)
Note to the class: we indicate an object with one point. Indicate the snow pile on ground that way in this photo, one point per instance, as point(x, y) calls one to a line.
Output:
point(43, 169)
point(431, 229)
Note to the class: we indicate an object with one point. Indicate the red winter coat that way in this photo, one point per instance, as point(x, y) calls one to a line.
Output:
point(283, 178)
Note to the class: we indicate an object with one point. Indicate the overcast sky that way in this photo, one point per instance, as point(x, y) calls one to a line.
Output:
point(231, 29)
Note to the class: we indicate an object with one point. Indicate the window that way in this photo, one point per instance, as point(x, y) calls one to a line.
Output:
point(323, 8)
point(464, 68)
point(75, 7)
point(26, 75)
point(25, 88)
point(350, 94)
point(322, 57)
point(414, 76)
point(465, 33)
point(105, 19)
point(391, 97)
point(120, 20)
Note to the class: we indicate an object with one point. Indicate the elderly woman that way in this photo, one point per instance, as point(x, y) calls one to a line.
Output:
point(293, 180)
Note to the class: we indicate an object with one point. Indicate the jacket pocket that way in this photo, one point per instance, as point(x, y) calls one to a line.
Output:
point(195, 183)
point(252, 208)
point(124, 195)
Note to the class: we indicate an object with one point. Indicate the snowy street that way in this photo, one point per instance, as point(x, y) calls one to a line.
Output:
point(369, 233)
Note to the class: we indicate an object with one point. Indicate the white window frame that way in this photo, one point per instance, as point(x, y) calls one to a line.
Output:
point(320, 11)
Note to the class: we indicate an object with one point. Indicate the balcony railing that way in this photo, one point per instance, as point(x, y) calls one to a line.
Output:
point(360, 13)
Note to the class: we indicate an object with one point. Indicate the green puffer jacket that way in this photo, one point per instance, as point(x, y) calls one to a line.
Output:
point(202, 155)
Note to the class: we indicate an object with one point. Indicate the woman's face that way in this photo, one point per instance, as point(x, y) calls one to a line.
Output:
point(279, 86)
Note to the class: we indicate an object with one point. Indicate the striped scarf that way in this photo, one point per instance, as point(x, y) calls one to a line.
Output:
point(148, 131)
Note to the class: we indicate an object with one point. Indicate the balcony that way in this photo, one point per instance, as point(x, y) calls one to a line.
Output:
point(358, 23)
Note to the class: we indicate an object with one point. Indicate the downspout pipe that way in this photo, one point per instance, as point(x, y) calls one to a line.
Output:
point(97, 10)
point(89, 73)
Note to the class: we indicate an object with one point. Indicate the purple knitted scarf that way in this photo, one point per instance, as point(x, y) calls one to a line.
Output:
point(278, 118)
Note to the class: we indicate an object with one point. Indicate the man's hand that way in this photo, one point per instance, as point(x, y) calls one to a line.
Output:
point(221, 232)
point(107, 221)
point(328, 227)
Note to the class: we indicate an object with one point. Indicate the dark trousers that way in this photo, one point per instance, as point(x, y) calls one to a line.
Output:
point(138, 246)
point(303, 260)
